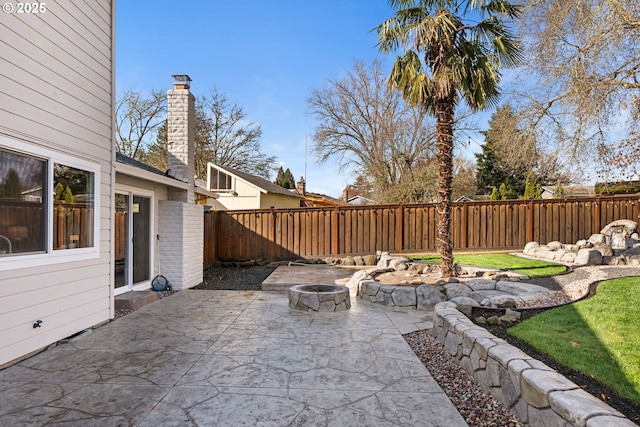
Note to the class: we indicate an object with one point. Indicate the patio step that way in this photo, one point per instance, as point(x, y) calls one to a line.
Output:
point(134, 300)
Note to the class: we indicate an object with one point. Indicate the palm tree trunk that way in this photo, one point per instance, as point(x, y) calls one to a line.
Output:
point(444, 144)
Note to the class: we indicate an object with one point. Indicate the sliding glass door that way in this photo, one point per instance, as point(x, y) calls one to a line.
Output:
point(133, 241)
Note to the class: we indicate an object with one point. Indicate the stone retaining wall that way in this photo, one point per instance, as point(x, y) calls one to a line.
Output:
point(535, 393)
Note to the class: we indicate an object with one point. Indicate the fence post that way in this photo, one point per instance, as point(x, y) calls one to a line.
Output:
point(530, 221)
point(464, 226)
point(597, 228)
point(272, 232)
point(399, 228)
point(335, 232)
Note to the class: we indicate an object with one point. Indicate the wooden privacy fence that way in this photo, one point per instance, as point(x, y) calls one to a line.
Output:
point(409, 228)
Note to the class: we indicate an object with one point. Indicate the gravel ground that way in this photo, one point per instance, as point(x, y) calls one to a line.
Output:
point(477, 407)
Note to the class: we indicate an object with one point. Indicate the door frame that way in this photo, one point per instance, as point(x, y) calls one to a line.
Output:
point(132, 191)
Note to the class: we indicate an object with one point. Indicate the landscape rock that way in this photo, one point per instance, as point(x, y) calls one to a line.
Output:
point(399, 263)
point(348, 260)
point(605, 250)
point(457, 290)
point(384, 260)
point(404, 296)
point(481, 284)
point(598, 239)
point(510, 316)
point(530, 247)
point(428, 296)
point(630, 227)
point(370, 260)
point(554, 246)
point(505, 301)
point(588, 256)
point(465, 301)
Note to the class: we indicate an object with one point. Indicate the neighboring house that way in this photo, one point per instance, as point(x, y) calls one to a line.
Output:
point(360, 200)
point(473, 198)
point(56, 145)
point(350, 196)
point(240, 190)
point(570, 191)
point(314, 200)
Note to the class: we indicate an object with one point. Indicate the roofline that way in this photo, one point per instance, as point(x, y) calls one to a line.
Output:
point(135, 172)
point(262, 190)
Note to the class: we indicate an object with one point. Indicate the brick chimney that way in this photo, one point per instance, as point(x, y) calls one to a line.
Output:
point(181, 135)
point(301, 186)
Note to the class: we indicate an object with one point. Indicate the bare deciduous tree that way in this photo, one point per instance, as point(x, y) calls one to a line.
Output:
point(227, 138)
point(369, 128)
point(223, 135)
point(585, 59)
point(138, 118)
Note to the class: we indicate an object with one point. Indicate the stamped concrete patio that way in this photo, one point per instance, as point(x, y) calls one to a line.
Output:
point(231, 358)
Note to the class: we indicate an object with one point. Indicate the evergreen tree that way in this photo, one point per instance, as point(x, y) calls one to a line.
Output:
point(507, 154)
point(559, 192)
point(290, 181)
point(280, 177)
point(285, 179)
point(532, 189)
point(494, 194)
point(504, 192)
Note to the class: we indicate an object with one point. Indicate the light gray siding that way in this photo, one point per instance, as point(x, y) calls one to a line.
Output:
point(56, 94)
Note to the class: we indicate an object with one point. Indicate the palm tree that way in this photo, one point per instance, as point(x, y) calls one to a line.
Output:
point(463, 43)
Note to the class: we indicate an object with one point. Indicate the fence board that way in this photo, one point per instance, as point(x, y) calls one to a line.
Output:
point(336, 231)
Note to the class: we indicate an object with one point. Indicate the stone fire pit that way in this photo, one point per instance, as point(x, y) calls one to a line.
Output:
point(319, 298)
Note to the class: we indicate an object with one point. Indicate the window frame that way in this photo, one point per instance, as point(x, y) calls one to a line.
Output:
point(212, 169)
point(49, 256)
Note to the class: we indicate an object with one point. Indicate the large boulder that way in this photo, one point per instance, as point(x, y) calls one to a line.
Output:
point(628, 225)
point(457, 290)
point(588, 256)
point(604, 249)
point(530, 247)
point(598, 239)
point(555, 245)
point(399, 263)
point(354, 282)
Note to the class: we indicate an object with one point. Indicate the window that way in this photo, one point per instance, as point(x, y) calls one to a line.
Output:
point(22, 203)
point(72, 208)
point(47, 206)
point(219, 181)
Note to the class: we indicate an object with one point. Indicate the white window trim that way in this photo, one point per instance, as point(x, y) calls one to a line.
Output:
point(210, 168)
point(63, 255)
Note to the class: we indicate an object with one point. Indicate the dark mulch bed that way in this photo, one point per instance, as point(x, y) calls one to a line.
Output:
point(590, 385)
point(235, 278)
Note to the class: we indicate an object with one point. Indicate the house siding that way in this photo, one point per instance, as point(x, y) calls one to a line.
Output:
point(56, 93)
point(250, 197)
point(278, 201)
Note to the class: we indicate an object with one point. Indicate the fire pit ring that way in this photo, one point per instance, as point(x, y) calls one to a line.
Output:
point(313, 297)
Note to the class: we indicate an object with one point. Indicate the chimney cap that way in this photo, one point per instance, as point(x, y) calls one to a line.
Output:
point(181, 81)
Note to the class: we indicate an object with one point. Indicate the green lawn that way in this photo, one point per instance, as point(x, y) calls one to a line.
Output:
point(530, 267)
point(599, 337)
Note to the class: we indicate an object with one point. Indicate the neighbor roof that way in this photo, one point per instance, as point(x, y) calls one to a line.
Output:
point(258, 181)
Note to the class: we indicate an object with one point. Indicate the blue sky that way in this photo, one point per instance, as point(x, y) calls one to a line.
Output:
point(264, 55)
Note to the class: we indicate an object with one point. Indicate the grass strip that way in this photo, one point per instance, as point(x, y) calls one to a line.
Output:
point(530, 267)
point(598, 337)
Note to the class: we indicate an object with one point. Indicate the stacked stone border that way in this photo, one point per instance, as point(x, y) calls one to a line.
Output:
point(536, 394)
